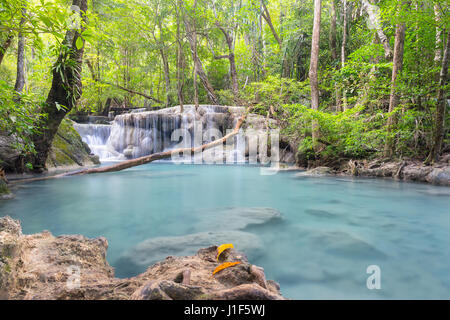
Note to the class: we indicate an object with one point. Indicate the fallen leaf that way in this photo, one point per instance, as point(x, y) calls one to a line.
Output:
point(225, 265)
point(222, 248)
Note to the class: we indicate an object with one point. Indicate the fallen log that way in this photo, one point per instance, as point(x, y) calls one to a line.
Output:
point(146, 159)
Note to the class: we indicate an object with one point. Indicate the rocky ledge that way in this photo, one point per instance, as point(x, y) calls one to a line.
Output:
point(437, 174)
point(42, 266)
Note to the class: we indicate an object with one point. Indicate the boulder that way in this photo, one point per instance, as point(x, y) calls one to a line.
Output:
point(319, 171)
point(8, 154)
point(68, 150)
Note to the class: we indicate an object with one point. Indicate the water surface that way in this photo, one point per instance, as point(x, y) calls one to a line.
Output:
point(331, 229)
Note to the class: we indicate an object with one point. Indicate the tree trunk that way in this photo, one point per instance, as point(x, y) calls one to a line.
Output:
point(180, 60)
point(313, 68)
point(438, 41)
point(191, 34)
point(132, 91)
point(439, 126)
point(266, 15)
point(231, 58)
point(333, 46)
point(64, 92)
point(374, 19)
point(20, 78)
point(396, 69)
point(5, 45)
point(166, 77)
point(165, 60)
point(344, 44)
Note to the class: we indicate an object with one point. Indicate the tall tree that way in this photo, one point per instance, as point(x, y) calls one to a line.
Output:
point(373, 13)
point(438, 41)
point(65, 89)
point(266, 15)
point(343, 46)
point(439, 125)
point(396, 69)
point(313, 68)
point(180, 56)
point(5, 45)
point(20, 75)
point(191, 34)
point(229, 35)
point(332, 39)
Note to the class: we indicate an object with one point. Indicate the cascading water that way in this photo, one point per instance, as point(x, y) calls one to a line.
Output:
point(135, 135)
point(96, 136)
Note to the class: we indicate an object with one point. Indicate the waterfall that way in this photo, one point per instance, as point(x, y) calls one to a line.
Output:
point(96, 136)
point(134, 135)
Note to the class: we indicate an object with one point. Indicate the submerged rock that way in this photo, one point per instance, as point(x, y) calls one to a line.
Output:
point(236, 218)
point(155, 249)
point(42, 266)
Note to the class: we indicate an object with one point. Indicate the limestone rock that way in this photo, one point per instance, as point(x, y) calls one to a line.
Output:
point(68, 150)
point(438, 174)
point(319, 171)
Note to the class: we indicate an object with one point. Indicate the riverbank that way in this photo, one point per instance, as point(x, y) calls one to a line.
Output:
point(408, 170)
point(42, 266)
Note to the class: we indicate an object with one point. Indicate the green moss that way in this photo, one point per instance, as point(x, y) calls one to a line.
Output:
point(68, 148)
point(3, 188)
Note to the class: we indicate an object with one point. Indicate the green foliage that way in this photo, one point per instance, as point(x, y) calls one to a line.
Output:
point(127, 42)
point(19, 119)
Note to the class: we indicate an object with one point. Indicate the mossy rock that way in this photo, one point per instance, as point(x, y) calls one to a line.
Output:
point(68, 149)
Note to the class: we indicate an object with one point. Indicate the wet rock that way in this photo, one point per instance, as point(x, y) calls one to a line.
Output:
point(8, 154)
point(68, 150)
point(438, 174)
point(42, 266)
point(319, 171)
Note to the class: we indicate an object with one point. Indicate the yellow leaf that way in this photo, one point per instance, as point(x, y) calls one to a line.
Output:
point(225, 265)
point(222, 248)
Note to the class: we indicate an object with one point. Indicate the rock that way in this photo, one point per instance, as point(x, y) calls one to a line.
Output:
point(42, 266)
point(319, 171)
point(128, 152)
point(8, 154)
point(68, 150)
point(438, 174)
point(152, 250)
